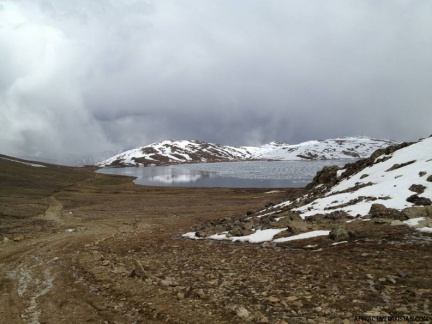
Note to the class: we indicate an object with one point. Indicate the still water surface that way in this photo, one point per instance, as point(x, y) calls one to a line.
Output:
point(251, 174)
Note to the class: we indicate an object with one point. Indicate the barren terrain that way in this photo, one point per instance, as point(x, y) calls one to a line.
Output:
point(80, 247)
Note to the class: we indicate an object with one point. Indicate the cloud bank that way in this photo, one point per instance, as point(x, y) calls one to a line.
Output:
point(80, 78)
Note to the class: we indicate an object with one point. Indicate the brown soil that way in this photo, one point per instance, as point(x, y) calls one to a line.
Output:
point(74, 243)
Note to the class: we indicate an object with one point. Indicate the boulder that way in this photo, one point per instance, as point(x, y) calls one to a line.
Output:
point(381, 211)
point(417, 188)
point(327, 176)
point(239, 231)
point(427, 222)
point(419, 201)
point(414, 212)
point(340, 233)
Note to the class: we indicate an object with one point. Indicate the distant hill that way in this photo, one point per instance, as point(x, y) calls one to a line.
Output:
point(191, 151)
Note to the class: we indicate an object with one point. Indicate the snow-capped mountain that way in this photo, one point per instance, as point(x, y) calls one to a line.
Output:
point(190, 151)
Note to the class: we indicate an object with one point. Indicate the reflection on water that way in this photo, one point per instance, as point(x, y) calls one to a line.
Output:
point(256, 174)
point(170, 175)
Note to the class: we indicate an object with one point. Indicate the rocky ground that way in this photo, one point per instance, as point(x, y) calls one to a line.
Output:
point(99, 249)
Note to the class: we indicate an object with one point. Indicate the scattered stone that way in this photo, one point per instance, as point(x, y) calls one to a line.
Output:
point(379, 210)
point(239, 231)
point(18, 238)
point(273, 299)
point(139, 271)
point(417, 188)
point(427, 222)
point(429, 179)
point(382, 221)
point(415, 212)
point(292, 298)
point(106, 263)
point(422, 173)
point(180, 295)
point(392, 279)
point(5, 239)
point(168, 282)
point(200, 293)
point(396, 222)
point(266, 245)
point(401, 274)
point(242, 312)
point(340, 233)
point(419, 201)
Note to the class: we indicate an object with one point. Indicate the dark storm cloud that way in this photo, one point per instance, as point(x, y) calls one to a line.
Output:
point(86, 77)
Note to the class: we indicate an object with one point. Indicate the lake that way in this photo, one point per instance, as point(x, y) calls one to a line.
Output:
point(251, 174)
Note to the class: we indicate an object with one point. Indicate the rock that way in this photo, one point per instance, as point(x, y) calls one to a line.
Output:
point(419, 201)
point(415, 212)
point(180, 296)
point(139, 271)
point(292, 298)
point(401, 274)
point(273, 299)
point(382, 221)
point(427, 222)
point(239, 231)
point(242, 312)
point(200, 293)
point(417, 188)
point(396, 222)
point(18, 238)
point(266, 245)
point(168, 282)
point(327, 176)
point(5, 239)
point(379, 210)
point(429, 179)
point(340, 233)
point(106, 263)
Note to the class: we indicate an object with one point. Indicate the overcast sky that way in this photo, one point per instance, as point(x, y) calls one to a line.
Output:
point(87, 76)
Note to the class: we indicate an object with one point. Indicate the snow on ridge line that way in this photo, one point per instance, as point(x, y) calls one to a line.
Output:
point(179, 151)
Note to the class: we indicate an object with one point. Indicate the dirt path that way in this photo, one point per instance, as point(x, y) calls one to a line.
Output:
point(53, 212)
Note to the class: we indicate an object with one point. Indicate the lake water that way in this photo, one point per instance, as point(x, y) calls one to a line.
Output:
point(251, 174)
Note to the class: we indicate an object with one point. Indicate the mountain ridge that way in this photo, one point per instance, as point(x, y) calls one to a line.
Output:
point(193, 151)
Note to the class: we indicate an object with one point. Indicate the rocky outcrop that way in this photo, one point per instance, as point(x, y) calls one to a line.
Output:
point(381, 211)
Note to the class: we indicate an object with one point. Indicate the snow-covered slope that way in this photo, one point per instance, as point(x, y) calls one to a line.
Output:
point(394, 188)
point(185, 151)
point(390, 181)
